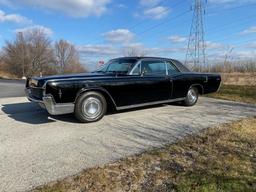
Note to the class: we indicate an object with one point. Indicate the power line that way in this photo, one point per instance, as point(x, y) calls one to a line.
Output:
point(182, 23)
point(226, 25)
point(143, 21)
point(162, 23)
point(156, 25)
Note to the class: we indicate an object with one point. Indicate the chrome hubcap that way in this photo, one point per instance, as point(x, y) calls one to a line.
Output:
point(192, 96)
point(92, 107)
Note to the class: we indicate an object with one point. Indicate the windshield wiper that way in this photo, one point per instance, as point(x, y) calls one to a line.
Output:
point(98, 72)
point(118, 72)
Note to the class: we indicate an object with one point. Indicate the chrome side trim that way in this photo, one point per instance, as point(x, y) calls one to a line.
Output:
point(150, 103)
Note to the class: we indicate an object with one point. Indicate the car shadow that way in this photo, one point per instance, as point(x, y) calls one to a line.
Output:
point(32, 113)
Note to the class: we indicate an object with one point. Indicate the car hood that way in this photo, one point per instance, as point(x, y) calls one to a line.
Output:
point(41, 80)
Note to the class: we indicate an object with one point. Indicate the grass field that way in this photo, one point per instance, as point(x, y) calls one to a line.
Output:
point(240, 93)
point(239, 79)
point(219, 159)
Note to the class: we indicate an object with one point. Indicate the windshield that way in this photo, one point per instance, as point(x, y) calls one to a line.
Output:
point(120, 66)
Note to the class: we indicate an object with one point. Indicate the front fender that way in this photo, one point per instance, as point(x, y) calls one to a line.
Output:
point(101, 90)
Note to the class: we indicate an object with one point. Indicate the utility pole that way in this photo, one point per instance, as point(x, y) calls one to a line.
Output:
point(196, 55)
point(21, 38)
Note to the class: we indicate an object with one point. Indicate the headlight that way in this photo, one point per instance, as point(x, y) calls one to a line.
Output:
point(33, 83)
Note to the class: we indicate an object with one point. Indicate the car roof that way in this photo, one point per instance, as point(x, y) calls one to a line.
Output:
point(138, 58)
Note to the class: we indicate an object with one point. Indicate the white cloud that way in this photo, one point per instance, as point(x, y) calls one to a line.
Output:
point(244, 54)
point(75, 8)
point(149, 3)
point(136, 49)
point(153, 9)
point(213, 45)
point(111, 50)
point(156, 12)
point(98, 50)
point(119, 36)
point(177, 39)
point(47, 31)
point(251, 45)
point(107, 50)
point(249, 30)
point(16, 18)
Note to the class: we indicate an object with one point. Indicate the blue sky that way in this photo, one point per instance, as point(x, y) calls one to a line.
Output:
point(103, 29)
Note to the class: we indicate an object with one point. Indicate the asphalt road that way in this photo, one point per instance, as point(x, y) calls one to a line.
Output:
point(11, 88)
point(36, 148)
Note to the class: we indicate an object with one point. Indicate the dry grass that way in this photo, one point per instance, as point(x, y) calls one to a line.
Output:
point(246, 94)
point(248, 79)
point(219, 159)
point(6, 75)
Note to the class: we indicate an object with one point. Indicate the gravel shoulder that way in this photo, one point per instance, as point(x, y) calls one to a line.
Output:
point(36, 149)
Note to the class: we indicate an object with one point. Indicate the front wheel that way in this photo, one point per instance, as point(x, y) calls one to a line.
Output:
point(191, 97)
point(90, 107)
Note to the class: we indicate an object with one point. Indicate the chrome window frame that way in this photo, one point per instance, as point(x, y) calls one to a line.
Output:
point(148, 59)
point(135, 66)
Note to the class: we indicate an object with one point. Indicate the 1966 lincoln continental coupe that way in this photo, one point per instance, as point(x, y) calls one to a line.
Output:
point(122, 83)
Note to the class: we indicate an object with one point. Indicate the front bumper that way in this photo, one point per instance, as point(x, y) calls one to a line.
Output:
point(50, 105)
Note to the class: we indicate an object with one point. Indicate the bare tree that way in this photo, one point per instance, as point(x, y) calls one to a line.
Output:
point(2, 65)
point(1, 61)
point(29, 54)
point(67, 57)
point(41, 52)
point(13, 56)
point(133, 52)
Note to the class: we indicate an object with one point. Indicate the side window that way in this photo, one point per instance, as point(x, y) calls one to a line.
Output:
point(153, 67)
point(171, 68)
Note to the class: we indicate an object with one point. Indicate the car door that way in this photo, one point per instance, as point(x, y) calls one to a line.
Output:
point(148, 82)
point(179, 82)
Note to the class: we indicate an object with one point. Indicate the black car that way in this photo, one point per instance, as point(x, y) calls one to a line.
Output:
point(122, 83)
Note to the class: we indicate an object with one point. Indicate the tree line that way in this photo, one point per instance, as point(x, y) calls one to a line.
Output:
point(32, 53)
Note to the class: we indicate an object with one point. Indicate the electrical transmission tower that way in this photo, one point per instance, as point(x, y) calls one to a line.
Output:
point(196, 55)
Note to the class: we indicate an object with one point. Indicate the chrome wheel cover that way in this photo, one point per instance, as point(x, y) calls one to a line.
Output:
point(192, 96)
point(92, 107)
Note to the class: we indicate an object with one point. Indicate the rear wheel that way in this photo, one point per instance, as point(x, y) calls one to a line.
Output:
point(90, 107)
point(191, 97)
